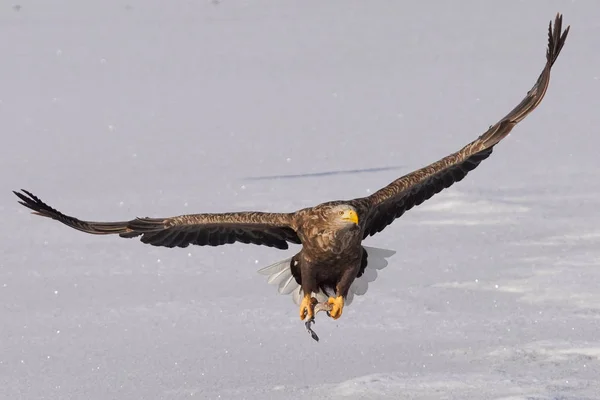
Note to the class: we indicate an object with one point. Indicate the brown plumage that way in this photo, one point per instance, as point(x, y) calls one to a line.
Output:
point(331, 233)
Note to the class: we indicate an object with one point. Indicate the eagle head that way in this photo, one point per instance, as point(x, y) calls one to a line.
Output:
point(343, 216)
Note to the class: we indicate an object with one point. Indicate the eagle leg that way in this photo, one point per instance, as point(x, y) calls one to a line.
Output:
point(337, 305)
point(307, 307)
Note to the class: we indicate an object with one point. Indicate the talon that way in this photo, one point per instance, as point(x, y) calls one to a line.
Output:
point(307, 307)
point(337, 305)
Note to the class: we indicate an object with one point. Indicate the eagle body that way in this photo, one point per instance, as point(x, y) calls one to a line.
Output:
point(332, 263)
point(331, 252)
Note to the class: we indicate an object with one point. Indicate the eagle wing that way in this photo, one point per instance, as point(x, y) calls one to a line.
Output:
point(390, 202)
point(269, 229)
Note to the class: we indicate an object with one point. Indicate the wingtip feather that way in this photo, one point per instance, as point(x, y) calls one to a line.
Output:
point(556, 38)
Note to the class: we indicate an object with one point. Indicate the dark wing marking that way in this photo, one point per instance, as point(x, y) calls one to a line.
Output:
point(269, 229)
point(364, 261)
point(390, 202)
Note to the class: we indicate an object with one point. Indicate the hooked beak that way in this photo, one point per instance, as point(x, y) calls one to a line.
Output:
point(351, 216)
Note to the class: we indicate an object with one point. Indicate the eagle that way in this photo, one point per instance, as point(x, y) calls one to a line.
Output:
point(332, 258)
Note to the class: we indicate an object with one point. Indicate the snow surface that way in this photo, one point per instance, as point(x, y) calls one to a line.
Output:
point(121, 108)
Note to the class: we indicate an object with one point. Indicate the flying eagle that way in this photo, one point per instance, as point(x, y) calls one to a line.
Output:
point(332, 258)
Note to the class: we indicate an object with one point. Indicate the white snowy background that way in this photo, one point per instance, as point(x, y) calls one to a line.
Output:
point(114, 109)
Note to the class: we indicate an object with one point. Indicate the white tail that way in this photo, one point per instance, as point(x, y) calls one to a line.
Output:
point(280, 274)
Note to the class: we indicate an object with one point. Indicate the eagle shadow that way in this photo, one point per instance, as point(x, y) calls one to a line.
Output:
point(325, 173)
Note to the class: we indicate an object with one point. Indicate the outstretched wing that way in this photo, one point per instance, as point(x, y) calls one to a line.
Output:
point(269, 229)
point(413, 189)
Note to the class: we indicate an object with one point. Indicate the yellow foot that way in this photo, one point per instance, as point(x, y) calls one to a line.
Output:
point(307, 307)
point(337, 305)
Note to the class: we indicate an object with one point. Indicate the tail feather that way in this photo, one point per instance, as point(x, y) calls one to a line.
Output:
point(279, 277)
point(275, 267)
point(280, 274)
point(377, 260)
point(288, 286)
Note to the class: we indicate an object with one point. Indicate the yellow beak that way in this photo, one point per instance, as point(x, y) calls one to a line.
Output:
point(351, 216)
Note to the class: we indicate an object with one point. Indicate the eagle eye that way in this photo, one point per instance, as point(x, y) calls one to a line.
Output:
point(340, 212)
